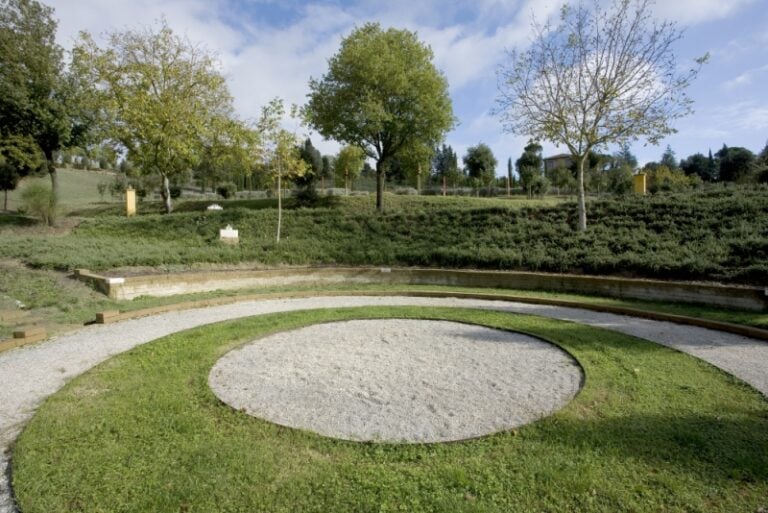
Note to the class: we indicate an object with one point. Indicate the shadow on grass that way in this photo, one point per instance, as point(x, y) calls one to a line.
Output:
point(731, 446)
point(16, 220)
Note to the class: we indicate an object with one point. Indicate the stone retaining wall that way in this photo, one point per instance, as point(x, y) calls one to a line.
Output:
point(738, 297)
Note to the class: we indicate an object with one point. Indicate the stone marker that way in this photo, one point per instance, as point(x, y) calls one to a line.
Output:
point(130, 201)
point(639, 183)
point(229, 235)
point(215, 206)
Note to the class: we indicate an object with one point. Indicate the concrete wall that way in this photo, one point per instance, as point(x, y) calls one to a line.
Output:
point(745, 298)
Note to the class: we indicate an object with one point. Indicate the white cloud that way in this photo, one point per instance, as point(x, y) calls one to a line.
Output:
point(746, 78)
point(691, 12)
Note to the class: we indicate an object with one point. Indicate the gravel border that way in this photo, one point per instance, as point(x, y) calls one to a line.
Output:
point(30, 374)
point(397, 380)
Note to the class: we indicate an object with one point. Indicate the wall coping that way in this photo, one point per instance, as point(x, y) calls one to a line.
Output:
point(743, 297)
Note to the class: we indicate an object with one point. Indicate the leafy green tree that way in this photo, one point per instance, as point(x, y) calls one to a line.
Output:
point(480, 164)
point(19, 156)
point(327, 172)
point(349, 163)
point(228, 149)
point(160, 96)
point(381, 93)
point(40, 201)
point(601, 76)
point(624, 157)
point(312, 157)
point(664, 179)
point(619, 180)
point(563, 180)
point(446, 165)
point(37, 96)
point(697, 165)
point(668, 158)
point(530, 166)
point(737, 164)
point(416, 159)
point(283, 156)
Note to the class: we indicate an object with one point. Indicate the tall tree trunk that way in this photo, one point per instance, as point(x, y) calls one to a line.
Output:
point(582, 200)
point(418, 179)
point(52, 173)
point(380, 175)
point(346, 181)
point(5, 203)
point(166, 194)
point(279, 200)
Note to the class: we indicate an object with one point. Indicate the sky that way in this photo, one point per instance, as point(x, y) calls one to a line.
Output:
point(271, 48)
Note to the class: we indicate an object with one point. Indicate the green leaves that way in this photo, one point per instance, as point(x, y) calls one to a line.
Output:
point(381, 93)
point(161, 97)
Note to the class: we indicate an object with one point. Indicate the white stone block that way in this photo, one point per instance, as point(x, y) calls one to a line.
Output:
point(229, 234)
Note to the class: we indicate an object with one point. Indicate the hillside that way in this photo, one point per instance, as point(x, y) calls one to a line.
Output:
point(718, 234)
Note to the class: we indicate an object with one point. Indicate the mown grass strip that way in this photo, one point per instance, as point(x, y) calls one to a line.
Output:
point(652, 430)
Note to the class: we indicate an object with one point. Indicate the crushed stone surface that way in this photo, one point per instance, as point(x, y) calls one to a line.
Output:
point(397, 380)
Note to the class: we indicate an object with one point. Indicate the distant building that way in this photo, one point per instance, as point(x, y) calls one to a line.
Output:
point(556, 161)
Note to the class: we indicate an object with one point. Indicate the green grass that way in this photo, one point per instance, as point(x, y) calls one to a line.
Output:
point(719, 234)
point(652, 430)
point(77, 187)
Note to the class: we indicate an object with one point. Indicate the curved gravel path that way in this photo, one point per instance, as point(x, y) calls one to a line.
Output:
point(397, 380)
point(28, 375)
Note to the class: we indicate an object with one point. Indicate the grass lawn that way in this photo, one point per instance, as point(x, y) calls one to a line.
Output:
point(78, 188)
point(652, 430)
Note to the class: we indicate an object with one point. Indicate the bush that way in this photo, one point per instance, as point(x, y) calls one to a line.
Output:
point(226, 190)
point(175, 191)
point(40, 201)
point(307, 196)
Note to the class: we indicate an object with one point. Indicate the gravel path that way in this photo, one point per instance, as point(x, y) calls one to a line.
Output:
point(28, 375)
point(397, 380)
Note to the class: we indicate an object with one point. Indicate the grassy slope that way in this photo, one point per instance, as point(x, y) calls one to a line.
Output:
point(652, 430)
point(720, 234)
point(77, 188)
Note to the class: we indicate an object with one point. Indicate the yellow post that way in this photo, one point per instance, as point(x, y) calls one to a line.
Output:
point(130, 201)
point(639, 183)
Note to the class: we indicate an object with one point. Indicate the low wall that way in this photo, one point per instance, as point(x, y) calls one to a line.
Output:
point(738, 297)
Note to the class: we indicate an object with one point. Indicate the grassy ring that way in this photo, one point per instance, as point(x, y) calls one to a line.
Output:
point(652, 429)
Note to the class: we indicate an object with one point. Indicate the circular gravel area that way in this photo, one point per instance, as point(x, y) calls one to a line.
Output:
point(397, 380)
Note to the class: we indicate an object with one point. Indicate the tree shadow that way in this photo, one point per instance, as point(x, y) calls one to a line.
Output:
point(12, 219)
point(730, 446)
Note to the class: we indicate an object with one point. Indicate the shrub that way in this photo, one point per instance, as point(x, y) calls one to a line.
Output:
point(175, 191)
point(226, 190)
point(40, 201)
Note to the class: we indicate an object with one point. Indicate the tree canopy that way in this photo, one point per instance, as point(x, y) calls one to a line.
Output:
point(480, 163)
point(37, 97)
point(349, 163)
point(383, 94)
point(601, 76)
point(529, 166)
point(160, 96)
point(736, 163)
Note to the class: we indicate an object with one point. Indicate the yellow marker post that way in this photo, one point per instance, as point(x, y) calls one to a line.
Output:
point(130, 202)
point(639, 182)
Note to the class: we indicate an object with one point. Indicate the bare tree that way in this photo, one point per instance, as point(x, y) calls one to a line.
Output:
point(601, 76)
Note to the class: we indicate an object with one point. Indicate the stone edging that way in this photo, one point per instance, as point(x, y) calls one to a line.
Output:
point(712, 294)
